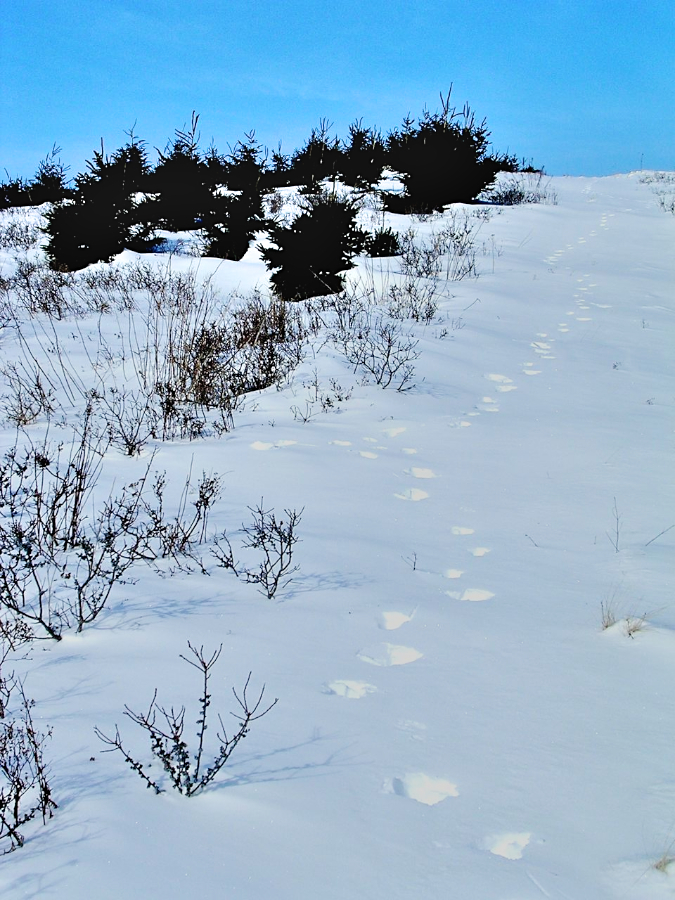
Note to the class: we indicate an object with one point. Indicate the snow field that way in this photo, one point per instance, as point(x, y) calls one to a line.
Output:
point(453, 722)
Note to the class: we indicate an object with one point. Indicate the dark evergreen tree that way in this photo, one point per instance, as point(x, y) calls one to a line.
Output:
point(363, 156)
point(384, 242)
point(442, 160)
point(102, 217)
point(14, 192)
point(184, 183)
point(245, 166)
point(232, 224)
point(278, 173)
point(48, 186)
point(310, 254)
point(320, 158)
point(233, 220)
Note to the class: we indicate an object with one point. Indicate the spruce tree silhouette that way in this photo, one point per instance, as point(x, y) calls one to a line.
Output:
point(311, 253)
point(102, 217)
point(442, 160)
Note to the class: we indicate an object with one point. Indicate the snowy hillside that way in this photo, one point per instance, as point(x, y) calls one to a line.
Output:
point(474, 660)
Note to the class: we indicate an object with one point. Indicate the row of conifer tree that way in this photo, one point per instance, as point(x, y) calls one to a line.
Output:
point(121, 200)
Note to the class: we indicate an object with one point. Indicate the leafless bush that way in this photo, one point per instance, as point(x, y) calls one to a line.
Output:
point(380, 347)
point(266, 343)
point(175, 537)
point(13, 634)
point(60, 558)
point(58, 564)
point(18, 232)
point(25, 791)
point(518, 188)
point(667, 202)
point(185, 358)
point(104, 289)
point(450, 252)
point(412, 299)
point(188, 772)
point(195, 359)
point(38, 289)
point(131, 418)
point(663, 185)
point(275, 538)
point(30, 395)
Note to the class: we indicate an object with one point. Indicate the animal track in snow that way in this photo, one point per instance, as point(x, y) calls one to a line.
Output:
point(367, 454)
point(352, 690)
point(389, 655)
point(479, 551)
point(390, 621)
point(370, 440)
point(409, 450)
point(492, 407)
point(460, 529)
point(453, 573)
point(505, 388)
point(341, 443)
point(509, 845)
point(263, 445)
point(423, 788)
point(414, 729)
point(474, 595)
point(412, 494)
point(532, 371)
point(394, 432)
point(499, 379)
point(421, 473)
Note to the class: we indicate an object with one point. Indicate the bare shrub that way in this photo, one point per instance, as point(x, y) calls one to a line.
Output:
point(528, 187)
point(18, 232)
point(412, 299)
point(276, 539)
point(25, 791)
point(378, 347)
point(58, 565)
point(61, 557)
point(38, 289)
point(449, 253)
point(188, 772)
point(131, 418)
point(195, 359)
point(30, 395)
point(175, 537)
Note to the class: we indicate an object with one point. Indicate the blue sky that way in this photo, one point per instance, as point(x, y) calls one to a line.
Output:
point(582, 87)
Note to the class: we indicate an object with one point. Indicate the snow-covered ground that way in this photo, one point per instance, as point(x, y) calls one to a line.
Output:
point(454, 722)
